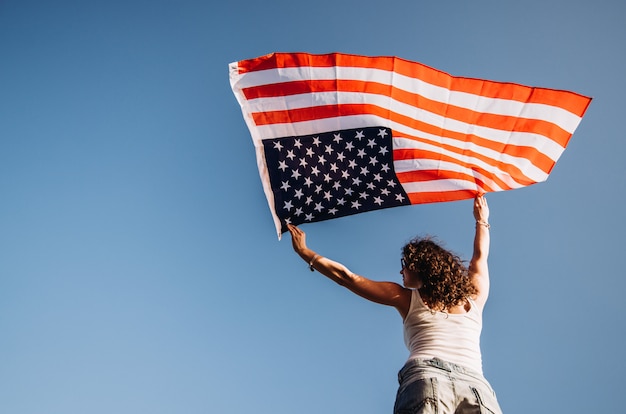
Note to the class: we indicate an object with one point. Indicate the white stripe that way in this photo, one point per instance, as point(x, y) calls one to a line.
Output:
point(405, 165)
point(546, 145)
point(267, 187)
point(440, 186)
point(317, 126)
point(527, 168)
point(559, 116)
point(401, 166)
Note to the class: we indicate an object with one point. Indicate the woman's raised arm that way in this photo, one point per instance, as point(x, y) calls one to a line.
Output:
point(478, 268)
point(385, 293)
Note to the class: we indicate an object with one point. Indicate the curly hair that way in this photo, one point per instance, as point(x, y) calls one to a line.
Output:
point(445, 278)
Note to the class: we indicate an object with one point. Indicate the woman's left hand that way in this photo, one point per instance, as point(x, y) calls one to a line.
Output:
point(298, 238)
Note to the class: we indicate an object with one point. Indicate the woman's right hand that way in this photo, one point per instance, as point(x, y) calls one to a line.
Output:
point(481, 209)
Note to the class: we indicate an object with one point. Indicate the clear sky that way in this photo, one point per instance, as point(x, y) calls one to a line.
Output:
point(139, 266)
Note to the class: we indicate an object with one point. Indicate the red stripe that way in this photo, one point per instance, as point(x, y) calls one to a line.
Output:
point(432, 175)
point(570, 101)
point(514, 172)
point(312, 113)
point(438, 197)
point(536, 157)
point(502, 122)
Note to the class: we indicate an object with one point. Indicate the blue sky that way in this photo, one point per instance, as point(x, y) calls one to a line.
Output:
point(139, 266)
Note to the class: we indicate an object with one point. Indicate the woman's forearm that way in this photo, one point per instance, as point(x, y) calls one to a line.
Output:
point(481, 237)
point(329, 268)
point(481, 241)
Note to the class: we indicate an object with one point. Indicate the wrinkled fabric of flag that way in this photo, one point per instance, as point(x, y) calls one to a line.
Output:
point(340, 134)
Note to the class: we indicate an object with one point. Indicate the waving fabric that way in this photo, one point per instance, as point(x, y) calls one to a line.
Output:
point(340, 134)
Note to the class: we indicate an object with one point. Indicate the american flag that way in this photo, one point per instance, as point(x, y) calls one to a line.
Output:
point(320, 122)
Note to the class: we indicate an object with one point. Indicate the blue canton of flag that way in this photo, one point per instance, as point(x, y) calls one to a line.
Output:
point(335, 174)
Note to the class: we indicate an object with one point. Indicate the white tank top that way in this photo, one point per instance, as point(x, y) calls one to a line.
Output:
point(451, 337)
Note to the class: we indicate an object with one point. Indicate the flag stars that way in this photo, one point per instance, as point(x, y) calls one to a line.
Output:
point(333, 174)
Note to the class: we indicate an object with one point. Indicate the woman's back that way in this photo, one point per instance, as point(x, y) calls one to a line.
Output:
point(453, 337)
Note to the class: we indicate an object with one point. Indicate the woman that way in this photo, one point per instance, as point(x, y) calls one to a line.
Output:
point(441, 305)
